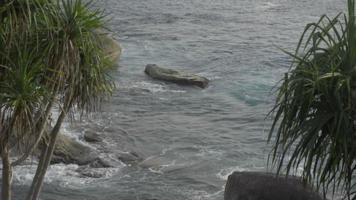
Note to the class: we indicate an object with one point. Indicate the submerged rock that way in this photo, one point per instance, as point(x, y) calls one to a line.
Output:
point(175, 76)
point(266, 186)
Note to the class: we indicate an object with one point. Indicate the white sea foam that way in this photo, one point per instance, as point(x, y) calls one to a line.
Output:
point(204, 195)
point(156, 171)
point(151, 87)
point(24, 174)
point(199, 194)
point(64, 175)
point(266, 5)
point(210, 76)
point(223, 174)
point(205, 151)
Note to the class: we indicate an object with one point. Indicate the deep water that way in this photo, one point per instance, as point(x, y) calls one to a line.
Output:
point(193, 138)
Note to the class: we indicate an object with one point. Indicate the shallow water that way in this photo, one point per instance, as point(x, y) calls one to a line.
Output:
point(191, 138)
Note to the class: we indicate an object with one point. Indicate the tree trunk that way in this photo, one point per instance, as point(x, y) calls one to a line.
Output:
point(6, 174)
point(45, 160)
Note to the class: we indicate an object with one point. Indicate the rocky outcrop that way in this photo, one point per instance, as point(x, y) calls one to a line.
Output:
point(69, 151)
point(265, 186)
point(91, 136)
point(174, 76)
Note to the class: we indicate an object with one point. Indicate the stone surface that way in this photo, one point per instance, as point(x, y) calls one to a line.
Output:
point(175, 76)
point(265, 186)
point(92, 174)
point(91, 136)
point(70, 151)
point(129, 157)
point(101, 163)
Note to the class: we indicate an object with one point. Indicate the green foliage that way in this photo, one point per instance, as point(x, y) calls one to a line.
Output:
point(74, 52)
point(51, 57)
point(49, 51)
point(314, 123)
point(20, 71)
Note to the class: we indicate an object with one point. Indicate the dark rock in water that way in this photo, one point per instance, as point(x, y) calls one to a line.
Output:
point(69, 151)
point(101, 163)
point(129, 157)
point(175, 76)
point(90, 136)
point(265, 186)
point(90, 172)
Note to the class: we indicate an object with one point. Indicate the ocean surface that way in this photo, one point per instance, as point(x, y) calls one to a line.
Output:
point(189, 139)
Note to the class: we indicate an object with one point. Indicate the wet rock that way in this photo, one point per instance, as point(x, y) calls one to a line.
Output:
point(175, 76)
point(129, 157)
point(101, 163)
point(91, 173)
point(265, 186)
point(90, 136)
point(70, 151)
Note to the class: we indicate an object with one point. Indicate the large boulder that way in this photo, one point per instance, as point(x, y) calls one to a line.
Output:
point(70, 151)
point(175, 76)
point(91, 136)
point(266, 186)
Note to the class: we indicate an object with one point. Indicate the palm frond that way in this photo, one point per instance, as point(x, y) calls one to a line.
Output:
point(314, 123)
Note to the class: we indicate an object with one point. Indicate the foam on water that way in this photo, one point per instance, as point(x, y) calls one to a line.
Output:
point(63, 175)
point(209, 152)
point(204, 195)
point(267, 5)
point(58, 172)
point(151, 87)
point(223, 174)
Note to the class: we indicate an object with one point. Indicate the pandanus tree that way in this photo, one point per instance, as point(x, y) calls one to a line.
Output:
point(51, 60)
point(315, 112)
point(20, 99)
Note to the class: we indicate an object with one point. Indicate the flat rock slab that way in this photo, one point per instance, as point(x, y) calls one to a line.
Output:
point(266, 186)
point(174, 76)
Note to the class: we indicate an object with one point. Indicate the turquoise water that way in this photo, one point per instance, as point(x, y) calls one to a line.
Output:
point(190, 138)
